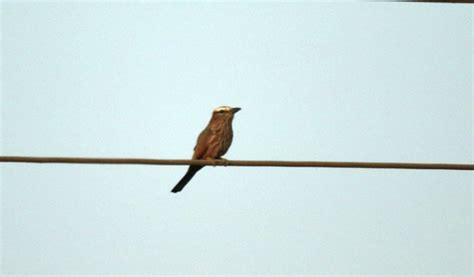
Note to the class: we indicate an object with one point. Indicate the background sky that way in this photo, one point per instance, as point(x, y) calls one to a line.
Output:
point(316, 81)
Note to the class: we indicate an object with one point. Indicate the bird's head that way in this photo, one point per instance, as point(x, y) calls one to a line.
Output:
point(225, 111)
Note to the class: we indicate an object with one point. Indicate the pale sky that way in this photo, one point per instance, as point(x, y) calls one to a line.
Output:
point(316, 81)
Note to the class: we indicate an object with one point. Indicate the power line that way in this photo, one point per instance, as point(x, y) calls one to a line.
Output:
point(430, 1)
point(141, 161)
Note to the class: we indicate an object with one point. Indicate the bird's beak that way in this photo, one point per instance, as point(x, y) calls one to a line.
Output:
point(235, 110)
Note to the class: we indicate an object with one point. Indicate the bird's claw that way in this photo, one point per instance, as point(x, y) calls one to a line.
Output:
point(219, 161)
point(225, 162)
point(215, 162)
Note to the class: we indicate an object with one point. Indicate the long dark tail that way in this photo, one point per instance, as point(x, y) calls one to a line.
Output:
point(186, 178)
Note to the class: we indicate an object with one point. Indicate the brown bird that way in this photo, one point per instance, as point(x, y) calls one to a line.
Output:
point(212, 143)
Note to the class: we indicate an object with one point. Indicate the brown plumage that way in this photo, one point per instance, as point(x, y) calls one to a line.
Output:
point(212, 143)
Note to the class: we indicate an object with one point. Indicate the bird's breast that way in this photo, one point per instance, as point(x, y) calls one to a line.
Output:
point(220, 141)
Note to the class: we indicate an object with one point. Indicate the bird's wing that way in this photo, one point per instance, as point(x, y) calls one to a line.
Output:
point(202, 144)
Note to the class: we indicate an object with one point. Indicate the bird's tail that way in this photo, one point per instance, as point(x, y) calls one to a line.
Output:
point(186, 178)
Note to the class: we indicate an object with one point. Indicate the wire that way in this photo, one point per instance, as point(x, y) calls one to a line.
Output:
point(141, 161)
point(434, 1)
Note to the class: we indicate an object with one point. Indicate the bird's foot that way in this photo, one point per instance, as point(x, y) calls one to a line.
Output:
point(215, 161)
point(225, 161)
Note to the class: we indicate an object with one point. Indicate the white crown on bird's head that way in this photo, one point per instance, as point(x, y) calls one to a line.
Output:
point(222, 109)
point(226, 110)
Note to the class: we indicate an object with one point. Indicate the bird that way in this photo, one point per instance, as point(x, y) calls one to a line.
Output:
point(212, 143)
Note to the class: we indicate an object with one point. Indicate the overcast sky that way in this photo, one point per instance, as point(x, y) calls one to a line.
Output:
point(340, 82)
